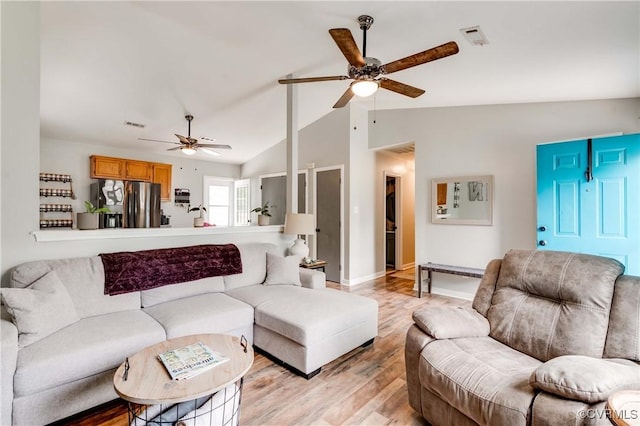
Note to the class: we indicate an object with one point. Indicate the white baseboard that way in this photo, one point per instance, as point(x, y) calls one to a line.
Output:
point(361, 280)
point(451, 293)
point(411, 265)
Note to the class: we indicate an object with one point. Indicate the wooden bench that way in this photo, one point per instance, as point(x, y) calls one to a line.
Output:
point(445, 269)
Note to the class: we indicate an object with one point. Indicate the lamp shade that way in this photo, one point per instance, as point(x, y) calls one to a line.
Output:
point(299, 224)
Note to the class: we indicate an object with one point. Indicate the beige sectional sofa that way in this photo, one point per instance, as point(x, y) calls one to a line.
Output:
point(549, 337)
point(62, 372)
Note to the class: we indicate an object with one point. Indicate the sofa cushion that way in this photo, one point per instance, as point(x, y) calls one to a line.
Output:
point(170, 292)
point(306, 316)
point(585, 379)
point(83, 278)
point(282, 270)
point(548, 304)
point(88, 347)
point(206, 313)
point(254, 265)
point(480, 377)
point(40, 309)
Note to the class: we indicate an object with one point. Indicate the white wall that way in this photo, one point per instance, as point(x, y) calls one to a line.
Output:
point(20, 128)
point(362, 221)
point(498, 140)
point(73, 158)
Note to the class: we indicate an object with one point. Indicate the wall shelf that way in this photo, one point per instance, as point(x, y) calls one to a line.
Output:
point(62, 213)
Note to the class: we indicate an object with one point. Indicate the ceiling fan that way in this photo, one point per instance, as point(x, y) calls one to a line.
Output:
point(369, 73)
point(189, 145)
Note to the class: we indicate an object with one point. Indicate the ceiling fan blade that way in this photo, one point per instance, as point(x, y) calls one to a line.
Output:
point(347, 46)
point(429, 55)
point(155, 140)
point(312, 79)
point(208, 151)
point(344, 99)
point(403, 89)
point(212, 145)
point(183, 139)
point(175, 149)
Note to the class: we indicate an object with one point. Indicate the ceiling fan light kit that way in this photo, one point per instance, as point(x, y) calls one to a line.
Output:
point(364, 88)
point(369, 73)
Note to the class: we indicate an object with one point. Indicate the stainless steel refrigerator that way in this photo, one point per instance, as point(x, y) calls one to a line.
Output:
point(141, 205)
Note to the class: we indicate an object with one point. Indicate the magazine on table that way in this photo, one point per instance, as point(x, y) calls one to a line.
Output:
point(191, 360)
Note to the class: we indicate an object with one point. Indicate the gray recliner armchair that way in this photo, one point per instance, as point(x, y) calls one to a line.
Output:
point(549, 337)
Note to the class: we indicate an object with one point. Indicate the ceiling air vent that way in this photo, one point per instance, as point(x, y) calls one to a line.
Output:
point(131, 123)
point(475, 36)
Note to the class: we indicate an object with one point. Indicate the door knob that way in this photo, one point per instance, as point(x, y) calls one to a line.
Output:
point(542, 242)
point(542, 228)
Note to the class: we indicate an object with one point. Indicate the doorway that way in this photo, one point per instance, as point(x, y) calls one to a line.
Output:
point(274, 189)
point(328, 208)
point(393, 232)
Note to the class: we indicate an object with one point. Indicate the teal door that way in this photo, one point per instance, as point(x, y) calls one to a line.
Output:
point(597, 216)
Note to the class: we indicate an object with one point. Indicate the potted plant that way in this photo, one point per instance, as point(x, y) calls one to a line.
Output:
point(198, 222)
point(90, 218)
point(263, 213)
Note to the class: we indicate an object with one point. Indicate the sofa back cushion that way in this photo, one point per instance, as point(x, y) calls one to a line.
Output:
point(623, 337)
point(170, 292)
point(547, 303)
point(254, 265)
point(83, 277)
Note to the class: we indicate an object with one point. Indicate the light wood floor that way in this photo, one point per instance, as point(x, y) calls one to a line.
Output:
point(364, 387)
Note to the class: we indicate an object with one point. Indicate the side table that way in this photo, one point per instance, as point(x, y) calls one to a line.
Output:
point(317, 264)
point(211, 397)
point(623, 408)
point(445, 269)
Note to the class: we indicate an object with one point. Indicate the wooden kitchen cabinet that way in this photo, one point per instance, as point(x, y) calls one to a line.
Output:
point(162, 175)
point(106, 167)
point(138, 170)
point(125, 169)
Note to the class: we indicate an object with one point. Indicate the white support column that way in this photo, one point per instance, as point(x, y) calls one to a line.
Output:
point(292, 147)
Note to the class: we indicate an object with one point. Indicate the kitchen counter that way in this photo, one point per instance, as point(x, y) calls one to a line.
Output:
point(99, 234)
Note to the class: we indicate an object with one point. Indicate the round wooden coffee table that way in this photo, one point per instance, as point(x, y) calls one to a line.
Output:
point(623, 408)
point(152, 395)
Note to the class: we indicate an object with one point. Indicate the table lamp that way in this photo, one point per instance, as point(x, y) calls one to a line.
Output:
point(299, 224)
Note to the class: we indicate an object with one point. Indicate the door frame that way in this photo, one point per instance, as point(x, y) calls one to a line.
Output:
point(341, 218)
point(398, 235)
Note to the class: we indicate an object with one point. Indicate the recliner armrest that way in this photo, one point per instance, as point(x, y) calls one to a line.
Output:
point(311, 278)
point(449, 322)
point(586, 379)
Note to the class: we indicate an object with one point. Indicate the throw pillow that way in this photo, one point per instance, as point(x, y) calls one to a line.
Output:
point(40, 309)
point(282, 270)
point(583, 378)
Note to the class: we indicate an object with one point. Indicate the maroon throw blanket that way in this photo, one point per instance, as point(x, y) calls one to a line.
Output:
point(129, 271)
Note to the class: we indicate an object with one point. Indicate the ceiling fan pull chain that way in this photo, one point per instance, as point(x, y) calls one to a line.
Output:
point(375, 110)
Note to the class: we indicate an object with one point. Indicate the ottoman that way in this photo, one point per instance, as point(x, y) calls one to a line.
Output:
point(305, 328)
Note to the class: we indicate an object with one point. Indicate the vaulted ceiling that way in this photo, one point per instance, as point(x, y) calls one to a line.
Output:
point(104, 63)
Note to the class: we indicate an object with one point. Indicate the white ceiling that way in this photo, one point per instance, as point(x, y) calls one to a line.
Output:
point(104, 63)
